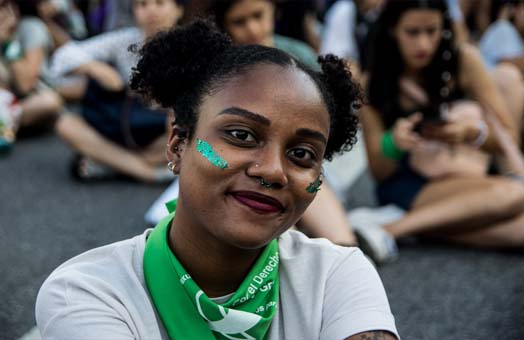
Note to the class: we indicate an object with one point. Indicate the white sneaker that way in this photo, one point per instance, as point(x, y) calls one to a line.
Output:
point(376, 242)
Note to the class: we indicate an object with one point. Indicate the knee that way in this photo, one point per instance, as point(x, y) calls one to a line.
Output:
point(52, 101)
point(65, 126)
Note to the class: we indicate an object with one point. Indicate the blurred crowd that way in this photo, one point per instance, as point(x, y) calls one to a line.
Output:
point(442, 124)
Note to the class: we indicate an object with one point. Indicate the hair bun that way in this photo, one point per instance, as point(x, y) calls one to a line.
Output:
point(184, 54)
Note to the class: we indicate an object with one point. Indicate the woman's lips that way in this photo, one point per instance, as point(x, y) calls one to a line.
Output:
point(421, 55)
point(258, 202)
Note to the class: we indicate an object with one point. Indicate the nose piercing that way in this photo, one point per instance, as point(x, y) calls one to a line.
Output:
point(264, 183)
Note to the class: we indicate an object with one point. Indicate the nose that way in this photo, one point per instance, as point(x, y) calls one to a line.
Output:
point(253, 28)
point(424, 42)
point(269, 165)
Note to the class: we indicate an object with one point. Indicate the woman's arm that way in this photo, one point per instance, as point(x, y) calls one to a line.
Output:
point(474, 78)
point(91, 58)
point(380, 166)
point(26, 70)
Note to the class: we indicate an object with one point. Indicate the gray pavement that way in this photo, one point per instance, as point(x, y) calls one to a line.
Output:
point(436, 291)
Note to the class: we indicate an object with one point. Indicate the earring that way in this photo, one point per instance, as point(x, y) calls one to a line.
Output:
point(169, 147)
point(171, 166)
point(264, 183)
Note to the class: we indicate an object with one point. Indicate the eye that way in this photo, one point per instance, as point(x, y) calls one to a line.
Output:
point(302, 156)
point(412, 32)
point(238, 22)
point(242, 135)
point(258, 15)
point(432, 31)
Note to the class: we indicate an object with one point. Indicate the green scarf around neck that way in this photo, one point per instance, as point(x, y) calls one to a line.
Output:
point(186, 311)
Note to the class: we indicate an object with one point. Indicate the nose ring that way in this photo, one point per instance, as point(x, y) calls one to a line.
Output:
point(264, 183)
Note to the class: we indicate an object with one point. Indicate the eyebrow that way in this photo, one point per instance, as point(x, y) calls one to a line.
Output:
point(312, 134)
point(246, 114)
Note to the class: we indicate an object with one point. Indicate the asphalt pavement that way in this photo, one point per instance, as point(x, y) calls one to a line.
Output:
point(435, 291)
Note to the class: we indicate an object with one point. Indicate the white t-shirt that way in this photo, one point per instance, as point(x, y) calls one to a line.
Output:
point(326, 292)
point(338, 37)
point(500, 41)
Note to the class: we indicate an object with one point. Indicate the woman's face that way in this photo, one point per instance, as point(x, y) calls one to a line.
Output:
point(269, 123)
point(155, 15)
point(250, 22)
point(418, 34)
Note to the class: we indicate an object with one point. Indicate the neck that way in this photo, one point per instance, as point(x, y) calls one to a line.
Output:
point(412, 73)
point(217, 268)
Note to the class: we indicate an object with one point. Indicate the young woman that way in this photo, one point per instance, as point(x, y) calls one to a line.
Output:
point(253, 22)
point(116, 132)
point(427, 149)
point(251, 130)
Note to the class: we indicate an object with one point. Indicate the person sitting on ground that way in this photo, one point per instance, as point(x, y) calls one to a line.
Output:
point(116, 133)
point(428, 148)
point(250, 129)
point(25, 44)
point(252, 22)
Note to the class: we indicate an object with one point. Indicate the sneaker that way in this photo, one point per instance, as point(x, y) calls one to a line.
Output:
point(376, 243)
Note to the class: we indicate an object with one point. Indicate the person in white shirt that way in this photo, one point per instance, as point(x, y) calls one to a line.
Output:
point(250, 129)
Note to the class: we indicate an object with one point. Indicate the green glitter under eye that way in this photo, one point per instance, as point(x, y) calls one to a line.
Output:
point(314, 186)
point(207, 151)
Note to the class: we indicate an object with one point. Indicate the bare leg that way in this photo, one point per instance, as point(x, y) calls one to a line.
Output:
point(40, 107)
point(90, 143)
point(455, 205)
point(509, 234)
point(326, 217)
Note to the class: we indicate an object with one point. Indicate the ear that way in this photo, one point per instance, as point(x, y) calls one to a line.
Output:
point(176, 146)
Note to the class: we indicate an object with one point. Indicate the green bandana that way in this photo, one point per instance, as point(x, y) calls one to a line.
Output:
point(186, 311)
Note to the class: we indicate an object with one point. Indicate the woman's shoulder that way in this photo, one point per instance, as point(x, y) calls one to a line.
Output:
point(100, 271)
point(337, 286)
point(469, 62)
point(101, 293)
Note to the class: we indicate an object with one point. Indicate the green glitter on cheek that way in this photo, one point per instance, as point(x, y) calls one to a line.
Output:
point(207, 151)
point(314, 186)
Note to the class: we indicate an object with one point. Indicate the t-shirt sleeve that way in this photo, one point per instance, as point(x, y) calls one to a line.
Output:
point(355, 300)
point(339, 36)
point(33, 33)
point(67, 309)
point(501, 41)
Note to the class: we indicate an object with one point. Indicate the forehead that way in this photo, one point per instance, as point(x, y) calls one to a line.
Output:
point(421, 17)
point(246, 7)
point(280, 93)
